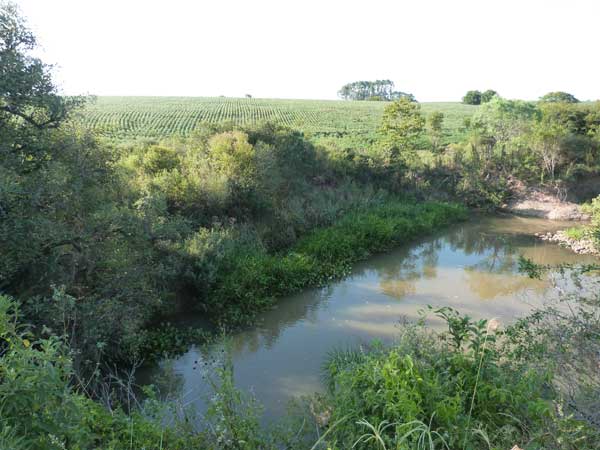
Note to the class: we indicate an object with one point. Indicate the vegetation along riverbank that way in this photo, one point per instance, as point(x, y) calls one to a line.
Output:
point(107, 232)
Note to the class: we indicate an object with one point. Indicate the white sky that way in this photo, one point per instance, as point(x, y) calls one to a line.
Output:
point(435, 49)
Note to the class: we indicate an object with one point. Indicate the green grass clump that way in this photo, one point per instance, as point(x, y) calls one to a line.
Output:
point(575, 233)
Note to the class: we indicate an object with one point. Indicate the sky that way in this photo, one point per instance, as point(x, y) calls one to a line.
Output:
point(434, 49)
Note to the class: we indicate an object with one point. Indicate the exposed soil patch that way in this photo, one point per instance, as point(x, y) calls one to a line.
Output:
point(545, 202)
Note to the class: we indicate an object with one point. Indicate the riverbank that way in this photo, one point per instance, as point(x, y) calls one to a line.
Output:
point(250, 280)
point(255, 280)
point(574, 239)
point(452, 266)
point(471, 267)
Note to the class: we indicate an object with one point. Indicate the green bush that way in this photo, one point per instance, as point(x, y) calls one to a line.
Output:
point(41, 409)
point(459, 389)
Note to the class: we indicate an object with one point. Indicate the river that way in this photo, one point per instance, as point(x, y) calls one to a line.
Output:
point(472, 266)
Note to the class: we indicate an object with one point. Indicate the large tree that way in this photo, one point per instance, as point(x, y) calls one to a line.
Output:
point(67, 237)
point(472, 98)
point(476, 97)
point(559, 97)
point(372, 90)
point(486, 96)
point(29, 100)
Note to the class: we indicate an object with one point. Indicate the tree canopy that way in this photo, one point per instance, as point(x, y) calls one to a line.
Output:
point(29, 100)
point(559, 97)
point(476, 97)
point(372, 90)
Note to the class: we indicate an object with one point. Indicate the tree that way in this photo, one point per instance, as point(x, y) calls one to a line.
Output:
point(486, 96)
point(559, 97)
point(64, 220)
point(499, 124)
point(435, 123)
point(472, 98)
point(30, 104)
point(372, 90)
point(547, 143)
point(401, 126)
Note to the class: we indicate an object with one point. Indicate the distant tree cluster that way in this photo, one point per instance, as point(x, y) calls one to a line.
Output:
point(478, 97)
point(559, 97)
point(382, 90)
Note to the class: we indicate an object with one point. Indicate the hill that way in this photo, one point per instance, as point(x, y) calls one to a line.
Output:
point(125, 118)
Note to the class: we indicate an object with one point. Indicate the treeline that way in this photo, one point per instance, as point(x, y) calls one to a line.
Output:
point(378, 90)
point(477, 97)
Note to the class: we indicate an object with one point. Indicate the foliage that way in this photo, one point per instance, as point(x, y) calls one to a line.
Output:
point(250, 279)
point(594, 210)
point(565, 334)
point(435, 122)
point(486, 96)
point(575, 233)
point(401, 126)
point(455, 390)
point(372, 90)
point(559, 97)
point(472, 98)
point(29, 100)
point(537, 143)
point(42, 410)
point(478, 98)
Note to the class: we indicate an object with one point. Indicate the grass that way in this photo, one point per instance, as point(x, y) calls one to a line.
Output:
point(128, 118)
point(575, 233)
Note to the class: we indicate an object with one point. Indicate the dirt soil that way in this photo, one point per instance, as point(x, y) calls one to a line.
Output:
point(545, 202)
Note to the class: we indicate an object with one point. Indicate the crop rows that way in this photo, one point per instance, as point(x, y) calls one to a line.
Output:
point(161, 117)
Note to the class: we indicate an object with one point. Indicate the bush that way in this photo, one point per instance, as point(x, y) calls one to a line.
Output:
point(455, 390)
point(42, 410)
point(158, 158)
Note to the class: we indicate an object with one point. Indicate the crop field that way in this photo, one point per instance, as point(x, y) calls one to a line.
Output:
point(125, 118)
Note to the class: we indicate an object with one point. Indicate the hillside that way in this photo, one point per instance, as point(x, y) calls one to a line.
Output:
point(124, 118)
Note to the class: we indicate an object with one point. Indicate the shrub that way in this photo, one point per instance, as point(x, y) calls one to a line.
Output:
point(458, 389)
point(42, 410)
point(158, 158)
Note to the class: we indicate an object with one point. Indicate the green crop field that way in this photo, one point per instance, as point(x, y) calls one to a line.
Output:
point(125, 118)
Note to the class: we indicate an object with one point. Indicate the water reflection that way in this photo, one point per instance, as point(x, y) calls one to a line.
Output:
point(471, 267)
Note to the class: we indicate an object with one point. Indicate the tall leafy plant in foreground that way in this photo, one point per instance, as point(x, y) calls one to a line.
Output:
point(461, 389)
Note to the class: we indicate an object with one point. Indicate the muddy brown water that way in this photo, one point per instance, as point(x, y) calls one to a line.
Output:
point(471, 266)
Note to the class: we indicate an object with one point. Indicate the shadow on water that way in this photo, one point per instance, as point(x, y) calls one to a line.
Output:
point(472, 267)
